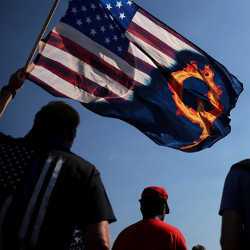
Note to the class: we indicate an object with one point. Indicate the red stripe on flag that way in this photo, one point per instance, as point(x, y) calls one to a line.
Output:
point(168, 29)
point(47, 87)
point(139, 64)
point(147, 37)
point(86, 56)
point(77, 79)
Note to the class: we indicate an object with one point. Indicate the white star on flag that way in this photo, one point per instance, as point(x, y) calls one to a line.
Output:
point(119, 4)
point(98, 18)
point(93, 6)
point(93, 32)
point(119, 49)
point(129, 3)
point(122, 16)
point(84, 8)
point(109, 7)
point(74, 10)
point(88, 20)
point(107, 40)
point(79, 22)
point(103, 29)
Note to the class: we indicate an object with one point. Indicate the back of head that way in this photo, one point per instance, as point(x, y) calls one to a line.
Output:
point(153, 201)
point(151, 207)
point(198, 247)
point(56, 119)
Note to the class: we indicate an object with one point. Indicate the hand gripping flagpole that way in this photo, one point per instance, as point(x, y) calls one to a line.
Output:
point(41, 33)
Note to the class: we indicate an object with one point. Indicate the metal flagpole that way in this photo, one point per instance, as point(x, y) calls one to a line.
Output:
point(41, 33)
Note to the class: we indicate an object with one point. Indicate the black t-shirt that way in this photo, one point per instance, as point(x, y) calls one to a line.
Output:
point(45, 192)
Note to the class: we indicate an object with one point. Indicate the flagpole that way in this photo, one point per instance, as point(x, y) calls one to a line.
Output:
point(41, 33)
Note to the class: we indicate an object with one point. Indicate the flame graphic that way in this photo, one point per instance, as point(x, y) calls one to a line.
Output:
point(201, 116)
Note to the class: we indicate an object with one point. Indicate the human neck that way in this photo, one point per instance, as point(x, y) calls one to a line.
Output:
point(157, 217)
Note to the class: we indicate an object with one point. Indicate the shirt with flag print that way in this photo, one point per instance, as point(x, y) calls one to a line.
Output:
point(45, 193)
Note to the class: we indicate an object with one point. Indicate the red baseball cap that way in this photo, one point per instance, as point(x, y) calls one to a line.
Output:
point(156, 192)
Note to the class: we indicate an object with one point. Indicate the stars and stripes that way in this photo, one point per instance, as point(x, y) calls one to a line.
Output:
point(13, 162)
point(95, 54)
point(26, 184)
point(117, 59)
point(90, 18)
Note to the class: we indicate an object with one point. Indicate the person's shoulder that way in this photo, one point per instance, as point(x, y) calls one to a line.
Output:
point(129, 230)
point(169, 227)
point(12, 141)
point(4, 138)
point(2, 134)
point(7, 138)
point(133, 227)
point(245, 164)
point(240, 168)
point(161, 225)
point(74, 161)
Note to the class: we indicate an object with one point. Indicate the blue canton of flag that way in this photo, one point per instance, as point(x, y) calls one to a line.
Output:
point(119, 61)
point(94, 20)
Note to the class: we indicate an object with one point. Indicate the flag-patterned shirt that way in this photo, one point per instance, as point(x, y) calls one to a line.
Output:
point(44, 193)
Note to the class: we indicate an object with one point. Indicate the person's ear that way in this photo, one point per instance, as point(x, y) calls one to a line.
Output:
point(72, 134)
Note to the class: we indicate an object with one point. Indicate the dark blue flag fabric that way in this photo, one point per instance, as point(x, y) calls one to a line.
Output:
point(119, 61)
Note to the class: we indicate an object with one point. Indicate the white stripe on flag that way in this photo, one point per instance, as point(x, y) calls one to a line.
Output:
point(160, 33)
point(63, 86)
point(160, 57)
point(45, 201)
point(132, 49)
point(103, 53)
point(86, 70)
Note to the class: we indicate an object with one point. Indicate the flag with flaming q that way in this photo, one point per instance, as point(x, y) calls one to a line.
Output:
point(119, 61)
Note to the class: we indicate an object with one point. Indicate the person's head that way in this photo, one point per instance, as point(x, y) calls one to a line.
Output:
point(57, 119)
point(154, 202)
point(198, 247)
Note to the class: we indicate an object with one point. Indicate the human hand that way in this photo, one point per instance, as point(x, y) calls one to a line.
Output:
point(17, 79)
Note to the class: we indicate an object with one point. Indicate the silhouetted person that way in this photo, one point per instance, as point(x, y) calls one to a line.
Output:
point(151, 233)
point(235, 208)
point(198, 247)
point(45, 189)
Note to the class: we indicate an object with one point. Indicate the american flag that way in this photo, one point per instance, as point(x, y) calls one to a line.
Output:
point(120, 61)
point(26, 183)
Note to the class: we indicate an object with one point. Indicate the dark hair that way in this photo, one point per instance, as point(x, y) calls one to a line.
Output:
point(56, 119)
point(151, 207)
point(198, 247)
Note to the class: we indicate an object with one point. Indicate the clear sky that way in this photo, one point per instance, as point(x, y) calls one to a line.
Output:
point(127, 159)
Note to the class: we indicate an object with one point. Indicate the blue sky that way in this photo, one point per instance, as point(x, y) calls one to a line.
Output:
point(127, 159)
